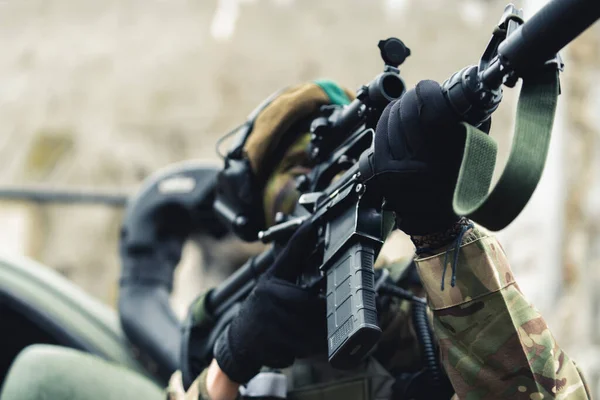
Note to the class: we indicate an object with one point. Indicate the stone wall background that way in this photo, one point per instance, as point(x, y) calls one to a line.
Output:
point(101, 94)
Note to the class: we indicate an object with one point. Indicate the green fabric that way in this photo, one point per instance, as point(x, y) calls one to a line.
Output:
point(352, 390)
point(535, 117)
point(42, 372)
point(335, 93)
point(199, 313)
point(314, 379)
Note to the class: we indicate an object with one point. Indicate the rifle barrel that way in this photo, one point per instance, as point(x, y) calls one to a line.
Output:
point(554, 26)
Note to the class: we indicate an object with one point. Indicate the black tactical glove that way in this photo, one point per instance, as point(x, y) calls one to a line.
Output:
point(279, 320)
point(417, 154)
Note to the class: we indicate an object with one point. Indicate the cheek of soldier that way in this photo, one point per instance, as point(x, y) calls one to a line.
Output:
point(280, 193)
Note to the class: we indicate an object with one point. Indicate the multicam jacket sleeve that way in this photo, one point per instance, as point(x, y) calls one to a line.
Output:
point(494, 343)
point(197, 390)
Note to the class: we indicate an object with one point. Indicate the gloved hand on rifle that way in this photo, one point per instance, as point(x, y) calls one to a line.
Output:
point(417, 155)
point(279, 321)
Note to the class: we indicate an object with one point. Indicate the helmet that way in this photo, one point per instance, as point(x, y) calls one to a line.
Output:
point(269, 151)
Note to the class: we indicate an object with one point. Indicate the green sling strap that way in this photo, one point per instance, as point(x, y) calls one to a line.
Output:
point(535, 117)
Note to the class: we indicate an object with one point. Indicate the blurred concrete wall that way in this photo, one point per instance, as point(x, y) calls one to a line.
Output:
point(101, 94)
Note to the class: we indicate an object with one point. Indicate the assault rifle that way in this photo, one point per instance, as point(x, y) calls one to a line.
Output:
point(348, 212)
point(351, 227)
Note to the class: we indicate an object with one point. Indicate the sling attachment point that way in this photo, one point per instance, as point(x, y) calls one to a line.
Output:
point(497, 208)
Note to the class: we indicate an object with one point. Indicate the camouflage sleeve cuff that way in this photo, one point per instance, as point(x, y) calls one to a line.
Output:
point(199, 386)
point(482, 268)
point(196, 391)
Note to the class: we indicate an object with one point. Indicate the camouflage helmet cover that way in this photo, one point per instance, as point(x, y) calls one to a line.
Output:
point(277, 147)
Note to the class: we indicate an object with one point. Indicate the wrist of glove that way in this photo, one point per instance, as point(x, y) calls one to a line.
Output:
point(425, 207)
point(278, 322)
point(434, 241)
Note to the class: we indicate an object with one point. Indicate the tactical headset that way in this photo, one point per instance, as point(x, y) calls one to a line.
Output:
point(239, 194)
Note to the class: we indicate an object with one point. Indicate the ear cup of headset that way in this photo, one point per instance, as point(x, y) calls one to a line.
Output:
point(238, 199)
point(239, 195)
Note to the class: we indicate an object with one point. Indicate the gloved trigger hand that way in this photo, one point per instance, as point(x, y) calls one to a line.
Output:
point(417, 153)
point(279, 321)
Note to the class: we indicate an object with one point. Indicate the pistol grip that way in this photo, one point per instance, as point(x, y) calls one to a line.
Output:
point(352, 327)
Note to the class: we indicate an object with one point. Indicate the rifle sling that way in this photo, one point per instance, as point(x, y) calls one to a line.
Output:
point(535, 116)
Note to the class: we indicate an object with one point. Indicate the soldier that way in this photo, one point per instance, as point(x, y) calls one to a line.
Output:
point(493, 342)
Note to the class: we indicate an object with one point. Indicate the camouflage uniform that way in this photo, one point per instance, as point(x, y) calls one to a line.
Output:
point(493, 343)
